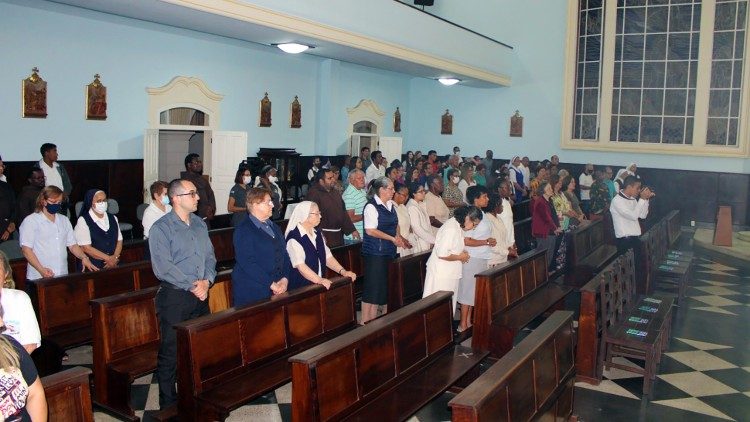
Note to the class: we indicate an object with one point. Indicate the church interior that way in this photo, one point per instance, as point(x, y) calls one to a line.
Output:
point(126, 89)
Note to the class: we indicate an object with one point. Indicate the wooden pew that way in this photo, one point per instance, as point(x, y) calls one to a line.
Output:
point(524, 239)
point(406, 279)
point(126, 342)
point(534, 381)
point(386, 370)
point(68, 395)
point(349, 255)
point(510, 296)
point(587, 253)
point(522, 210)
point(255, 343)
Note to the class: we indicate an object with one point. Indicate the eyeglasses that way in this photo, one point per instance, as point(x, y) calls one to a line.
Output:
point(316, 213)
point(192, 194)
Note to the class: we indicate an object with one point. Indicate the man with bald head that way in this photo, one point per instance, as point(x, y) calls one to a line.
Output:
point(182, 258)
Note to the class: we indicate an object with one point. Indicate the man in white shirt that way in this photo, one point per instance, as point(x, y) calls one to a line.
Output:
point(627, 207)
point(585, 180)
point(54, 172)
point(376, 169)
point(314, 170)
point(526, 171)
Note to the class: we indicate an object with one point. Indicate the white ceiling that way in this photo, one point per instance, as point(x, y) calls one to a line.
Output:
point(161, 12)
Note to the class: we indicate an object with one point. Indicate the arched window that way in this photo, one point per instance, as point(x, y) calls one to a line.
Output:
point(364, 126)
point(183, 116)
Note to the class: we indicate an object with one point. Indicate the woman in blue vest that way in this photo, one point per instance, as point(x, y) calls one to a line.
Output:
point(262, 264)
point(379, 244)
point(307, 249)
point(97, 232)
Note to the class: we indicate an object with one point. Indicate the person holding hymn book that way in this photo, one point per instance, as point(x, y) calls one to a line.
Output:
point(449, 253)
point(262, 265)
point(308, 253)
point(97, 232)
point(45, 235)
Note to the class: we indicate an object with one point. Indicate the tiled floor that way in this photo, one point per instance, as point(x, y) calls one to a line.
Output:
point(705, 375)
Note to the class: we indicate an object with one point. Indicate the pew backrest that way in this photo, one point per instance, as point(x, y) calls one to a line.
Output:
point(406, 277)
point(336, 378)
point(68, 395)
point(533, 381)
point(524, 239)
point(586, 238)
point(256, 334)
point(501, 287)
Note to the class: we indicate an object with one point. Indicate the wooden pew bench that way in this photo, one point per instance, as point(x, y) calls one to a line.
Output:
point(229, 358)
point(633, 327)
point(126, 342)
point(349, 255)
point(509, 297)
point(386, 370)
point(524, 240)
point(533, 381)
point(68, 395)
point(406, 277)
point(665, 269)
point(587, 253)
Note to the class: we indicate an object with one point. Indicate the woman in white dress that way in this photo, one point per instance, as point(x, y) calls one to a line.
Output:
point(503, 250)
point(445, 263)
point(420, 221)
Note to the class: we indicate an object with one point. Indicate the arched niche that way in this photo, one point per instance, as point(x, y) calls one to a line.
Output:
point(186, 95)
point(365, 111)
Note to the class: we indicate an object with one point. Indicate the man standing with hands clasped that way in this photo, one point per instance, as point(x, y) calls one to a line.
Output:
point(183, 259)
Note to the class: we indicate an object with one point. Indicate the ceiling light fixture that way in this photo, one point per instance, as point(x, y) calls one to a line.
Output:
point(293, 47)
point(449, 81)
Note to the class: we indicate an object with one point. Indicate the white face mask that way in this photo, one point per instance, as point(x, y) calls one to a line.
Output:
point(100, 207)
point(273, 179)
point(165, 200)
point(246, 179)
point(455, 180)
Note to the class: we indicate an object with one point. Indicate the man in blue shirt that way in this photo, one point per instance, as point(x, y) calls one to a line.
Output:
point(182, 258)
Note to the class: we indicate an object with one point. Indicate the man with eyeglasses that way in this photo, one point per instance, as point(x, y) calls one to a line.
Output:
point(194, 173)
point(182, 258)
point(335, 221)
point(27, 198)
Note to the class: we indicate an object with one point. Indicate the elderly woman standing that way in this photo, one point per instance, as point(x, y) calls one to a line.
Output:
point(45, 235)
point(452, 195)
point(381, 238)
point(97, 232)
point(262, 264)
point(420, 220)
point(445, 262)
point(307, 249)
point(544, 223)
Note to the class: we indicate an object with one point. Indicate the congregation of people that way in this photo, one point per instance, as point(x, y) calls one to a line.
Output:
point(460, 209)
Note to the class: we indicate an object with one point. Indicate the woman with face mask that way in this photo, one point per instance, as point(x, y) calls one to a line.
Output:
point(158, 208)
point(45, 235)
point(269, 181)
point(97, 232)
point(452, 195)
point(236, 203)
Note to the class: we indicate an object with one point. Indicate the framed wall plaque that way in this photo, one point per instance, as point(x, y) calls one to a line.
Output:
point(265, 112)
point(96, 100)
point(397, 121)
point(446, 126)
point(296, 117)
point(34, 96)
point(516, 125)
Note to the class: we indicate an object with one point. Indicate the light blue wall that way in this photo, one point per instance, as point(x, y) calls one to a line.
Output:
point(536, 29)
point(70, 45)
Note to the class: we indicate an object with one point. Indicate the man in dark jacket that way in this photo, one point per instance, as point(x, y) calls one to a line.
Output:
point(194, 173)
point(335, 221)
